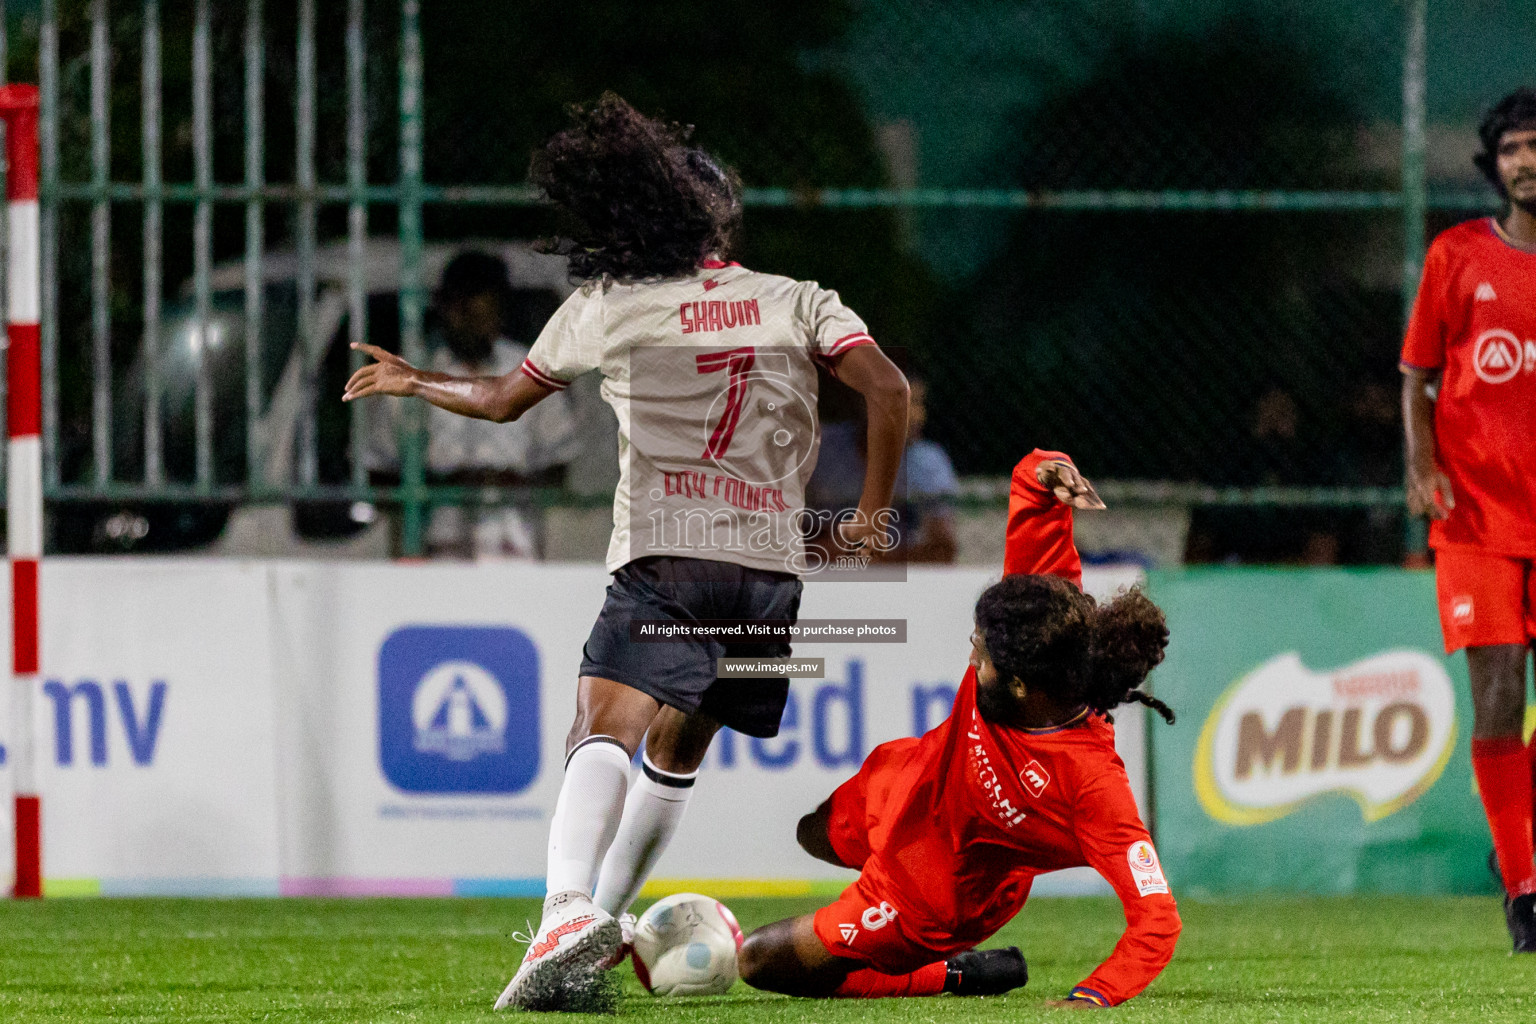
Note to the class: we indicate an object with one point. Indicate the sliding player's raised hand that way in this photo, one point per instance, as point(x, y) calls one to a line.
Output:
point(1070, 487)
point(391, 375)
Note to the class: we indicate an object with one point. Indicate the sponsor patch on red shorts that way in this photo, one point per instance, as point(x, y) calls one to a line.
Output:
point(1484, 599)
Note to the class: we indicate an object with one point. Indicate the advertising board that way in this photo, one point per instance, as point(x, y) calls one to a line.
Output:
point(210, 726)
point(1322, 742)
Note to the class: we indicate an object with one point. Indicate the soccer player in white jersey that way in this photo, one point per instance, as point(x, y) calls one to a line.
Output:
point(711, 370)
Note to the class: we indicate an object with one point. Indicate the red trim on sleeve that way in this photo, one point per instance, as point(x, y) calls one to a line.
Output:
point(849, 343)
point(1405, 364)
point(841, 347)
point(541, 378)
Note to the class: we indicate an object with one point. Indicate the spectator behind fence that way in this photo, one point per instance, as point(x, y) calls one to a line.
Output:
point(471, 304)
point(926, 485)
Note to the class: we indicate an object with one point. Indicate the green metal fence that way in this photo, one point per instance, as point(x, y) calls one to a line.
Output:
point(1095, 345)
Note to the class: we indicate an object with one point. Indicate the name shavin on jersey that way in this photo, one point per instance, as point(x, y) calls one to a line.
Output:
point(707, 315)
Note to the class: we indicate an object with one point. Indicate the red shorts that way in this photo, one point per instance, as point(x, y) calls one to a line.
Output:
point(857, 804)
point(866, 923)
point(1485, 599)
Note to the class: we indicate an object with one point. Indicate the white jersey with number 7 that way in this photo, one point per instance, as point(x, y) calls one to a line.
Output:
point(713, 380)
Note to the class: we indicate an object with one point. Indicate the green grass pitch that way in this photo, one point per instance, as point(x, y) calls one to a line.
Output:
point(182, 961)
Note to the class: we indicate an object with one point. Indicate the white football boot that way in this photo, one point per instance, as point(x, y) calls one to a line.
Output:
point(575, 935)
point(626, 939)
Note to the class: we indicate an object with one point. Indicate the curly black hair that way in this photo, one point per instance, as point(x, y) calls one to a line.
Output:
point(1058, 640)
point(1514, 112)
point(641, 202)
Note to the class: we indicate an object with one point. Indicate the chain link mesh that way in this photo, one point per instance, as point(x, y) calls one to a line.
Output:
point(1165, 237)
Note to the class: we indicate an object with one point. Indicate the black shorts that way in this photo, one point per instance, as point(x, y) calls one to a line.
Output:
point(681, 673)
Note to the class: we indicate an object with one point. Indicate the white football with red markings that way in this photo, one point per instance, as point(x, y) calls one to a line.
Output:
point(685, 945)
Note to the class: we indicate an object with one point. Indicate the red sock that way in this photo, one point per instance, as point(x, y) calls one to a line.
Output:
point(868, 984)
point(1503, 771)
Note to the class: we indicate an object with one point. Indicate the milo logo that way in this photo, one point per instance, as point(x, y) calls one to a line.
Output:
point(1379, 730)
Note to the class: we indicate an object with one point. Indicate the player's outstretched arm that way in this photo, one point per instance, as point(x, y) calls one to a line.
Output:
point(1117, 846)
point(499, 399)
point(1046, 487)
point(1428, 489)
point(872, 374)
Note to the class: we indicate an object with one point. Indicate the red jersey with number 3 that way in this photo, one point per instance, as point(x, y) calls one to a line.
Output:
point(1475, 320)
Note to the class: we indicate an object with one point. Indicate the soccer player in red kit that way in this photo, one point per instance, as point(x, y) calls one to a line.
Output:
point(1471, 468)
point(950, 828)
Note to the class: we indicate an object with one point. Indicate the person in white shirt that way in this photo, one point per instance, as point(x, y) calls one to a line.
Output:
point(711, 370)
point(471, 308)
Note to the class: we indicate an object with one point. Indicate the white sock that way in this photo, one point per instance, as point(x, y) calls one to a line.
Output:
point(652, 813)
point(586, 815)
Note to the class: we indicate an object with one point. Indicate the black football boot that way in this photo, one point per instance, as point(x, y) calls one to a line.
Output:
point(1520, 915)
point(985, 972)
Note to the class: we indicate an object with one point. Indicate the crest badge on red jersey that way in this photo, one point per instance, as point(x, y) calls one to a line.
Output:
point(1146, 872)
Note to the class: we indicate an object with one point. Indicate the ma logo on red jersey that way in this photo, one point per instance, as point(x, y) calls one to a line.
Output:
point(1497, 356)
point(1035, 778)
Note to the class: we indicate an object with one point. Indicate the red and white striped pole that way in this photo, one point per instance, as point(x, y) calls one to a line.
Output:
point(24, 477)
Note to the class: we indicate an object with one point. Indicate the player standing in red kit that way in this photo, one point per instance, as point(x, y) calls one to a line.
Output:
point(1471, 462)
point(950, 828)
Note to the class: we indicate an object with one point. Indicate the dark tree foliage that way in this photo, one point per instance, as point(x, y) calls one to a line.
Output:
point(733, 69)
point(1218, 347)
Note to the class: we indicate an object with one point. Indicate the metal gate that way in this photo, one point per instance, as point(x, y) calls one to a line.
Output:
point(405, 198)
